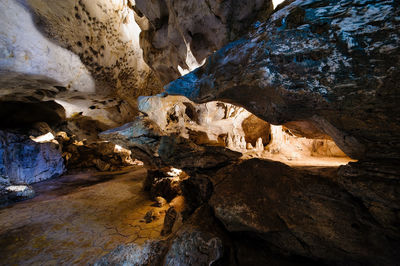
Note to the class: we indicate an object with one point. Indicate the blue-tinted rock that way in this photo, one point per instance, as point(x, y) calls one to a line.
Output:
point(23, 161)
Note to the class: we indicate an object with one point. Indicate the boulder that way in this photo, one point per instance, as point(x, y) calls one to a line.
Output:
point(301, 212)
point(24, 161)
point(150, 253)
point(194, 248)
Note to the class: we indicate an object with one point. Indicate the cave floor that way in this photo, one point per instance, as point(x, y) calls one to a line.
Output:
point(75, 219)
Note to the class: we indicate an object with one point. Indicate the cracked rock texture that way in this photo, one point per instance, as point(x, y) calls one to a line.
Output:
point(77, 219)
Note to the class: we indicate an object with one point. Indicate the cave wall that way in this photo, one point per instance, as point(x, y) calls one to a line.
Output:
point(105, 36)
point(25, 161)
point(177, 36)
point(330, 63)
point(24, 49)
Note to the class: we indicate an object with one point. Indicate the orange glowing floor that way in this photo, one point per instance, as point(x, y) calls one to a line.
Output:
point(76, 219)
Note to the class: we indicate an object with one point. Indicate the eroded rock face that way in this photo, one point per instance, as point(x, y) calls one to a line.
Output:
point(331, 63)
point(84, 55)
point(25, 161)
point(147, 143)
point(105, 36)
point(178, 35)
point(25, 50)
point(175, 132)
point(300, 212)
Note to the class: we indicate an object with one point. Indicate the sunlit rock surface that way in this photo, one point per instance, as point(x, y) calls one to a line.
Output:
point(85, 55)
point(175, 132)
point(23, 160)
point(24, 49)
point(104, 35)
point(177, 36)
point(331, 63)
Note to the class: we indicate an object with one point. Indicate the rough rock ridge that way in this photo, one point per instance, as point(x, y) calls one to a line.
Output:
point(333, 63)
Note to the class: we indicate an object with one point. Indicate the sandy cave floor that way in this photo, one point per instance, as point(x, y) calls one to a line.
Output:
point(75, 219)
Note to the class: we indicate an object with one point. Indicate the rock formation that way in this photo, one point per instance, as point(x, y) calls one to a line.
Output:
point(328, 63)
point(320, 68)
point(281, 146)
point(24, 161)
point(177, 36)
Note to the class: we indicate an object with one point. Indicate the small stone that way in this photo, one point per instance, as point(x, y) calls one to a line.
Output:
point(169, 221)
point(149, 217)
point(160, 202)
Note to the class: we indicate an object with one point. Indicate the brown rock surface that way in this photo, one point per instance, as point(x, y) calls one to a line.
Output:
point(303, 212)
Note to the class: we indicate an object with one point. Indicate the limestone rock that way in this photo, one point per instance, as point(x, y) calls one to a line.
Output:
point(332, 63)
point(10, 193)
point(151, 253)
point(255, 128)
point(149, 144)
point(24, 49)
point(169, 221)
point(301, 213)
point(85, 55)
point(160, 202)
point(197, 190)
point(166, 187)
point(104, 156)
point(24, 161)
point(377, 185)
point(178, 35)
point(194, 248)
point(99, 33)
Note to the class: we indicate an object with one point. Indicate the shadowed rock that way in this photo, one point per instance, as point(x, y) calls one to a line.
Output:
point(301, 212)
point(333, 63)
